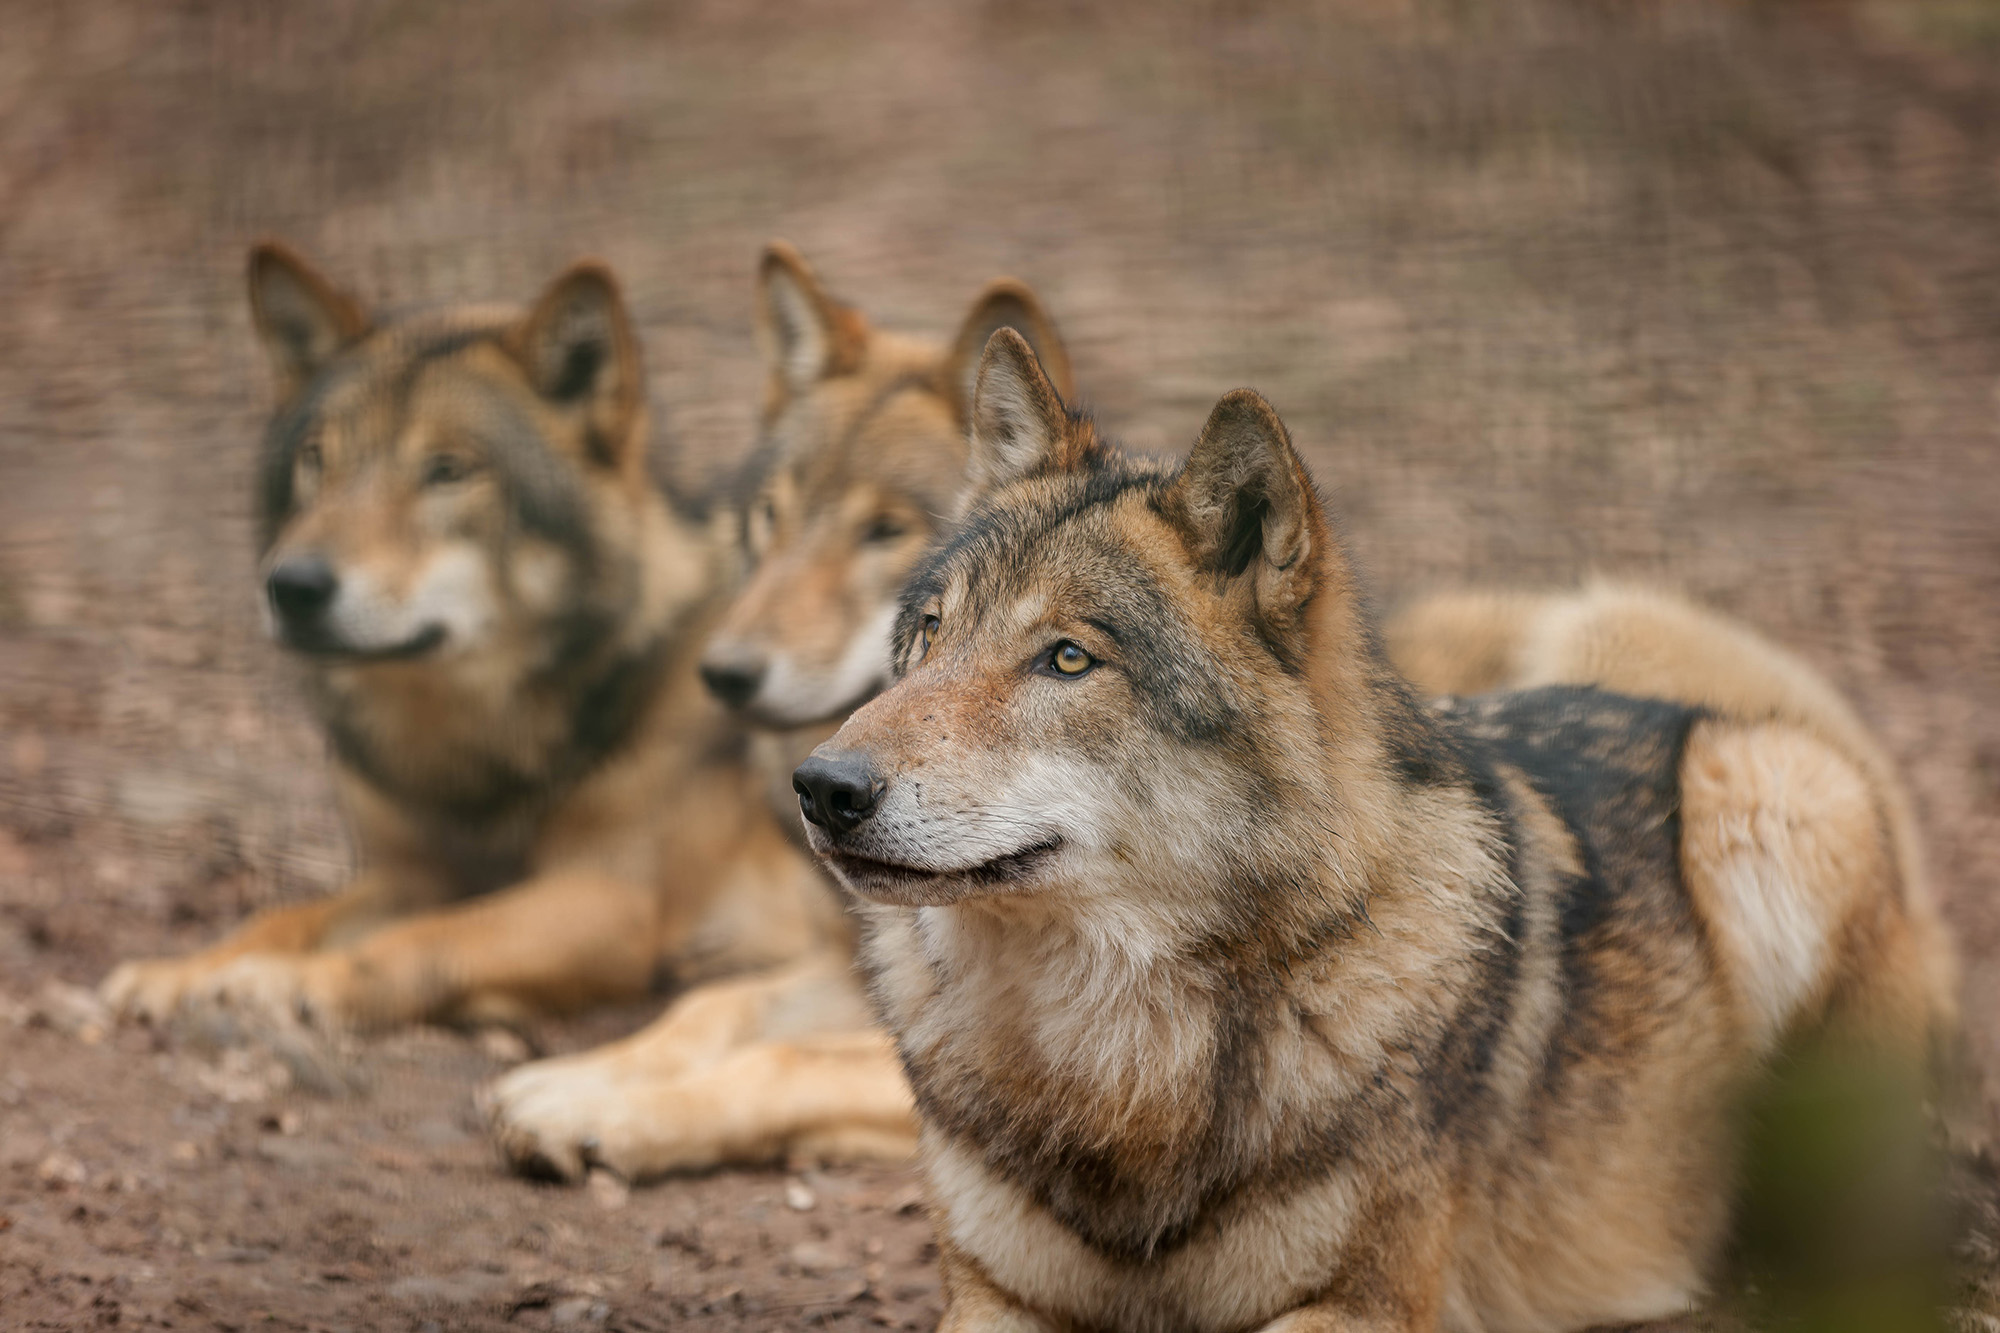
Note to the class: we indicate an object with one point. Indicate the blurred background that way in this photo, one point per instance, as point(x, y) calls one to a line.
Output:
point(1701, 293)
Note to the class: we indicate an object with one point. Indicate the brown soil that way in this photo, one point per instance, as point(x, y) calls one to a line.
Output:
point(1709, 295)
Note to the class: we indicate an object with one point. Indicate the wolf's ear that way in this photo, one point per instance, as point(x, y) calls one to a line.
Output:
point(581, 354)
point(1005, 304)
point(301, 318)
point(1019, 426)
point(1248, 509)
point(806, 334)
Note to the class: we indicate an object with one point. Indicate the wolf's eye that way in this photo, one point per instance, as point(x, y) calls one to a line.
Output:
point(885, 528)
point(1070, 659)
point(927, 630)
point(762, 525)
point(307, 458)
point(443, 469)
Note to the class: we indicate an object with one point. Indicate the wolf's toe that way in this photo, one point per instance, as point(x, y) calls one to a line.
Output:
point(540, 1157)
point(141, 992)
point(546, 1124)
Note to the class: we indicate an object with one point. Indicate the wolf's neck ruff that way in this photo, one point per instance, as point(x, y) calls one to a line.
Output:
point(504, 771)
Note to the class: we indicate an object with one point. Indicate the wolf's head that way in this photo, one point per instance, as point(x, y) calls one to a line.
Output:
point(1115, 680)
point(454, 486)
point(861, 458)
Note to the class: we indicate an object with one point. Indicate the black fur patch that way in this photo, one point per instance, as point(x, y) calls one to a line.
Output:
point(1609, 767)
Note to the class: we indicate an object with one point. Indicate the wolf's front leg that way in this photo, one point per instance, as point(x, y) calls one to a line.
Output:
point(553, 944)
point(153, 990)
point(974, 1304)
point(778, 1067)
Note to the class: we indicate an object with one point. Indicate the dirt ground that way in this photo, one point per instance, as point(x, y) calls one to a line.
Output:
point(1708, 295)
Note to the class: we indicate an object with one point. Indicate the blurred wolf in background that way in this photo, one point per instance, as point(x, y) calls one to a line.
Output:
point(860, 461)
point(499, 614)
point(1240, 989)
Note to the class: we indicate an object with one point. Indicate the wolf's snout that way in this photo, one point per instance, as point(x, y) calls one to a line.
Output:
point(734, 682)
point(302, 586)
point(837, 791)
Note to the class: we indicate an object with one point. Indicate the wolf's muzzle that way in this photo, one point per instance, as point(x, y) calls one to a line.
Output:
point(837, 791)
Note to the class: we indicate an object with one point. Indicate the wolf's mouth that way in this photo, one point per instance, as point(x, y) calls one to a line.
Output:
point(315, 644)
point(892, 881)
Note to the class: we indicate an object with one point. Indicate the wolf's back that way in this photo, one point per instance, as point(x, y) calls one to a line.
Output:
point(1648, 643)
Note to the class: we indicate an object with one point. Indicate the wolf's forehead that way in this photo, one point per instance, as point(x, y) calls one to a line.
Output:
point(900, 439)
point(402, 379)
point(1092, 562)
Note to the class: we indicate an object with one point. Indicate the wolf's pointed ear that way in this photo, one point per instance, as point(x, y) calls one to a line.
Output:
point(1005, 304)
point(1248, 509)
point(1019, 425)
point(301, 318)
point(806, 334)
point(581, 354)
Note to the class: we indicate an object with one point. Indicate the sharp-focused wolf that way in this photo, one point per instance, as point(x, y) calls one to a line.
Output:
point(1239, 989)
point(860, 461)
point(498, 612)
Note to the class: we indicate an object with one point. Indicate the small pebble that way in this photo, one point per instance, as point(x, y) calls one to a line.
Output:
point(815, 1259)
point(59, 1170)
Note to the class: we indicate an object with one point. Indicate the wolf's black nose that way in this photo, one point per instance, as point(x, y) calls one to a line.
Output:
point(302, 585)
point(735, 683)
point(836, 792)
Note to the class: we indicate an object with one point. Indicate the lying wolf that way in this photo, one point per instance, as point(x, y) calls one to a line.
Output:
point(1239, 989)
point(499, 615)
point(860, 460)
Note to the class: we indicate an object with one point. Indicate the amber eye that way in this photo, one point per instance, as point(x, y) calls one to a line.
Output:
point(443, 469)
point(926, 631)
point(308, 458)
point(1070, 660)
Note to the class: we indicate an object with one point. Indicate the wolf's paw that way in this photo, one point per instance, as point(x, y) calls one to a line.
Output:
point(278, 990)
point(556, 1119)
point(150, 990)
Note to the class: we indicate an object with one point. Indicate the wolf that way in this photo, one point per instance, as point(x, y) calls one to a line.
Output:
point(1239, 988)
point(498, 615)
point(859, 465)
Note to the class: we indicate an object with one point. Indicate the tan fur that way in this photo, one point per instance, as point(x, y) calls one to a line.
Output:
point(862, 455)
point(1240, 991)
point(654, 857)
point(1652, 643)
